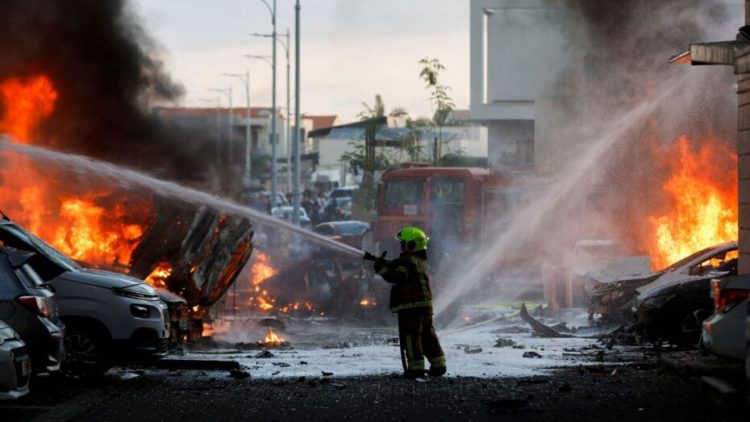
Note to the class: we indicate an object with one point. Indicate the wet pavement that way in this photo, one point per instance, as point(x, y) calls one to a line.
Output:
point(497, 369)
point(603, 392)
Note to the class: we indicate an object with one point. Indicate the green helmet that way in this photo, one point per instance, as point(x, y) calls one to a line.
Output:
point(414, 238)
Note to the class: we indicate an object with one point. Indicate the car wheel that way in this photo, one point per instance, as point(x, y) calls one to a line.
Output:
point(85, 354)
point(692, 326)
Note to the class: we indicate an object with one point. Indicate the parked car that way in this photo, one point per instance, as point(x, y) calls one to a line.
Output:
point(675, 312)
point(357, 234)
point(108, 317)
point(287, 213)
point(337, 209)
point(346, 191)
point(613, 301)
point(724, 332)
point(28, 305)
point(15, 364)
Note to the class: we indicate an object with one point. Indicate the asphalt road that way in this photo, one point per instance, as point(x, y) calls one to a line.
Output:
point(644, 392)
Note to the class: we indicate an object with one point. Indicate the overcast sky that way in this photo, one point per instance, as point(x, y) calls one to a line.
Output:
point(351, 50)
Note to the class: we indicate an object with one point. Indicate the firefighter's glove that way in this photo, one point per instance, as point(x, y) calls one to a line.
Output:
point(370, 257)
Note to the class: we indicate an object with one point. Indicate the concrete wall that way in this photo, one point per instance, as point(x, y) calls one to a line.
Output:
point(517, 54)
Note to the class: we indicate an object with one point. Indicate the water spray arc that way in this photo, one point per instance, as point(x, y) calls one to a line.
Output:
point(126, 178)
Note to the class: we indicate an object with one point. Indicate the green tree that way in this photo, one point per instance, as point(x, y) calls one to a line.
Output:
point(364, 156)
point(439, 96)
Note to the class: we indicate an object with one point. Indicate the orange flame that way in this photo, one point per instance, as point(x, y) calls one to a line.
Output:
point(159, 276)
point(271, 339)
point(704, 210)
point(26, 103)
point(78, 224)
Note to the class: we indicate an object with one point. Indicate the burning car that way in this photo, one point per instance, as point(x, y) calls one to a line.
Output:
point(356, 234)
point(674, 312)
point(612, 302)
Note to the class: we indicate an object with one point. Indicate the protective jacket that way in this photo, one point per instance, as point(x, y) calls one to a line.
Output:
point(411, 284)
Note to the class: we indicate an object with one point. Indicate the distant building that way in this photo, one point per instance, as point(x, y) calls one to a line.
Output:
point(516, 58)
point(331, 143)
point(735, 53)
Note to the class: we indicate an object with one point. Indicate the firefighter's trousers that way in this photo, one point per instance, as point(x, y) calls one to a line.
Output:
point(419, 340)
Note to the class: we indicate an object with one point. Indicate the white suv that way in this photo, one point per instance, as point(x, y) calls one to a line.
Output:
point(108, 317)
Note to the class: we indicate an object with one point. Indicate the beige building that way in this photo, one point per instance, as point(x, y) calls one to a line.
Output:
point(737, 54)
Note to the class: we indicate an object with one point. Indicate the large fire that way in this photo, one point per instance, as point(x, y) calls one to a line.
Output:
point(259, 297)
point(704, 201)
point(160, 274)
point(91, 224)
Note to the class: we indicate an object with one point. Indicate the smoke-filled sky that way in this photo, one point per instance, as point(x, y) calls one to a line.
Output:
point(351, 50)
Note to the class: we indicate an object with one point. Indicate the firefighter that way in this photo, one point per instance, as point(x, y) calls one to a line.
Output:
point(411, 299)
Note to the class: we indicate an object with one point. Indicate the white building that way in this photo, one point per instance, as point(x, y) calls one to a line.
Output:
point(333, 142)
point(517, 54)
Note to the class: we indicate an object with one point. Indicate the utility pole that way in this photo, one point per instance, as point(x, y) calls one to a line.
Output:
point(289, 136)
point(288, 122)
point(247, 171)
point(230, 121)
point(273, 107)
point(297, 128)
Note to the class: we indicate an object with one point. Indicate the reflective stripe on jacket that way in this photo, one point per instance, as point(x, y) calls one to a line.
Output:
point(411, 285)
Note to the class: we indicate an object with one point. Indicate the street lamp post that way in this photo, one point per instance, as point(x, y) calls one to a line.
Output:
point(272, 10)
point(273, 126)
point(297, 129)
point(230, 120)
point(288, 105)
point(247, 173)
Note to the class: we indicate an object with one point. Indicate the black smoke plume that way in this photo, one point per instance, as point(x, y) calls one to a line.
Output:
point(107, 74)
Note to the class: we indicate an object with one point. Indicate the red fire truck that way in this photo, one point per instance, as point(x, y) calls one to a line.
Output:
point(452, 204)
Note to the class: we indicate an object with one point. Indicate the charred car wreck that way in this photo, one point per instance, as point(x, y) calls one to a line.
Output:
point(680, 291)
point(666, 306)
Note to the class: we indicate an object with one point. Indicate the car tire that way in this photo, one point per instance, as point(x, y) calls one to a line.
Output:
point(86, 353)
point(691, 327)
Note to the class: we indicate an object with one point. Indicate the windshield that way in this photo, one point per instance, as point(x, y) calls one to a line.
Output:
point(404, 192)
point(40, 246)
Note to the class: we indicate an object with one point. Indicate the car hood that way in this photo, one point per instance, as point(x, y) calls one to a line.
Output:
point(100, 278)
point(672, 279)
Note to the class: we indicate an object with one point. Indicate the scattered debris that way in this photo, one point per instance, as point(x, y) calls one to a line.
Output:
point(540, 329)
point(281, 364)
point(238, 373)
point(504, 342)
point(265, 355)
point(513, 329)
point(471, 351)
